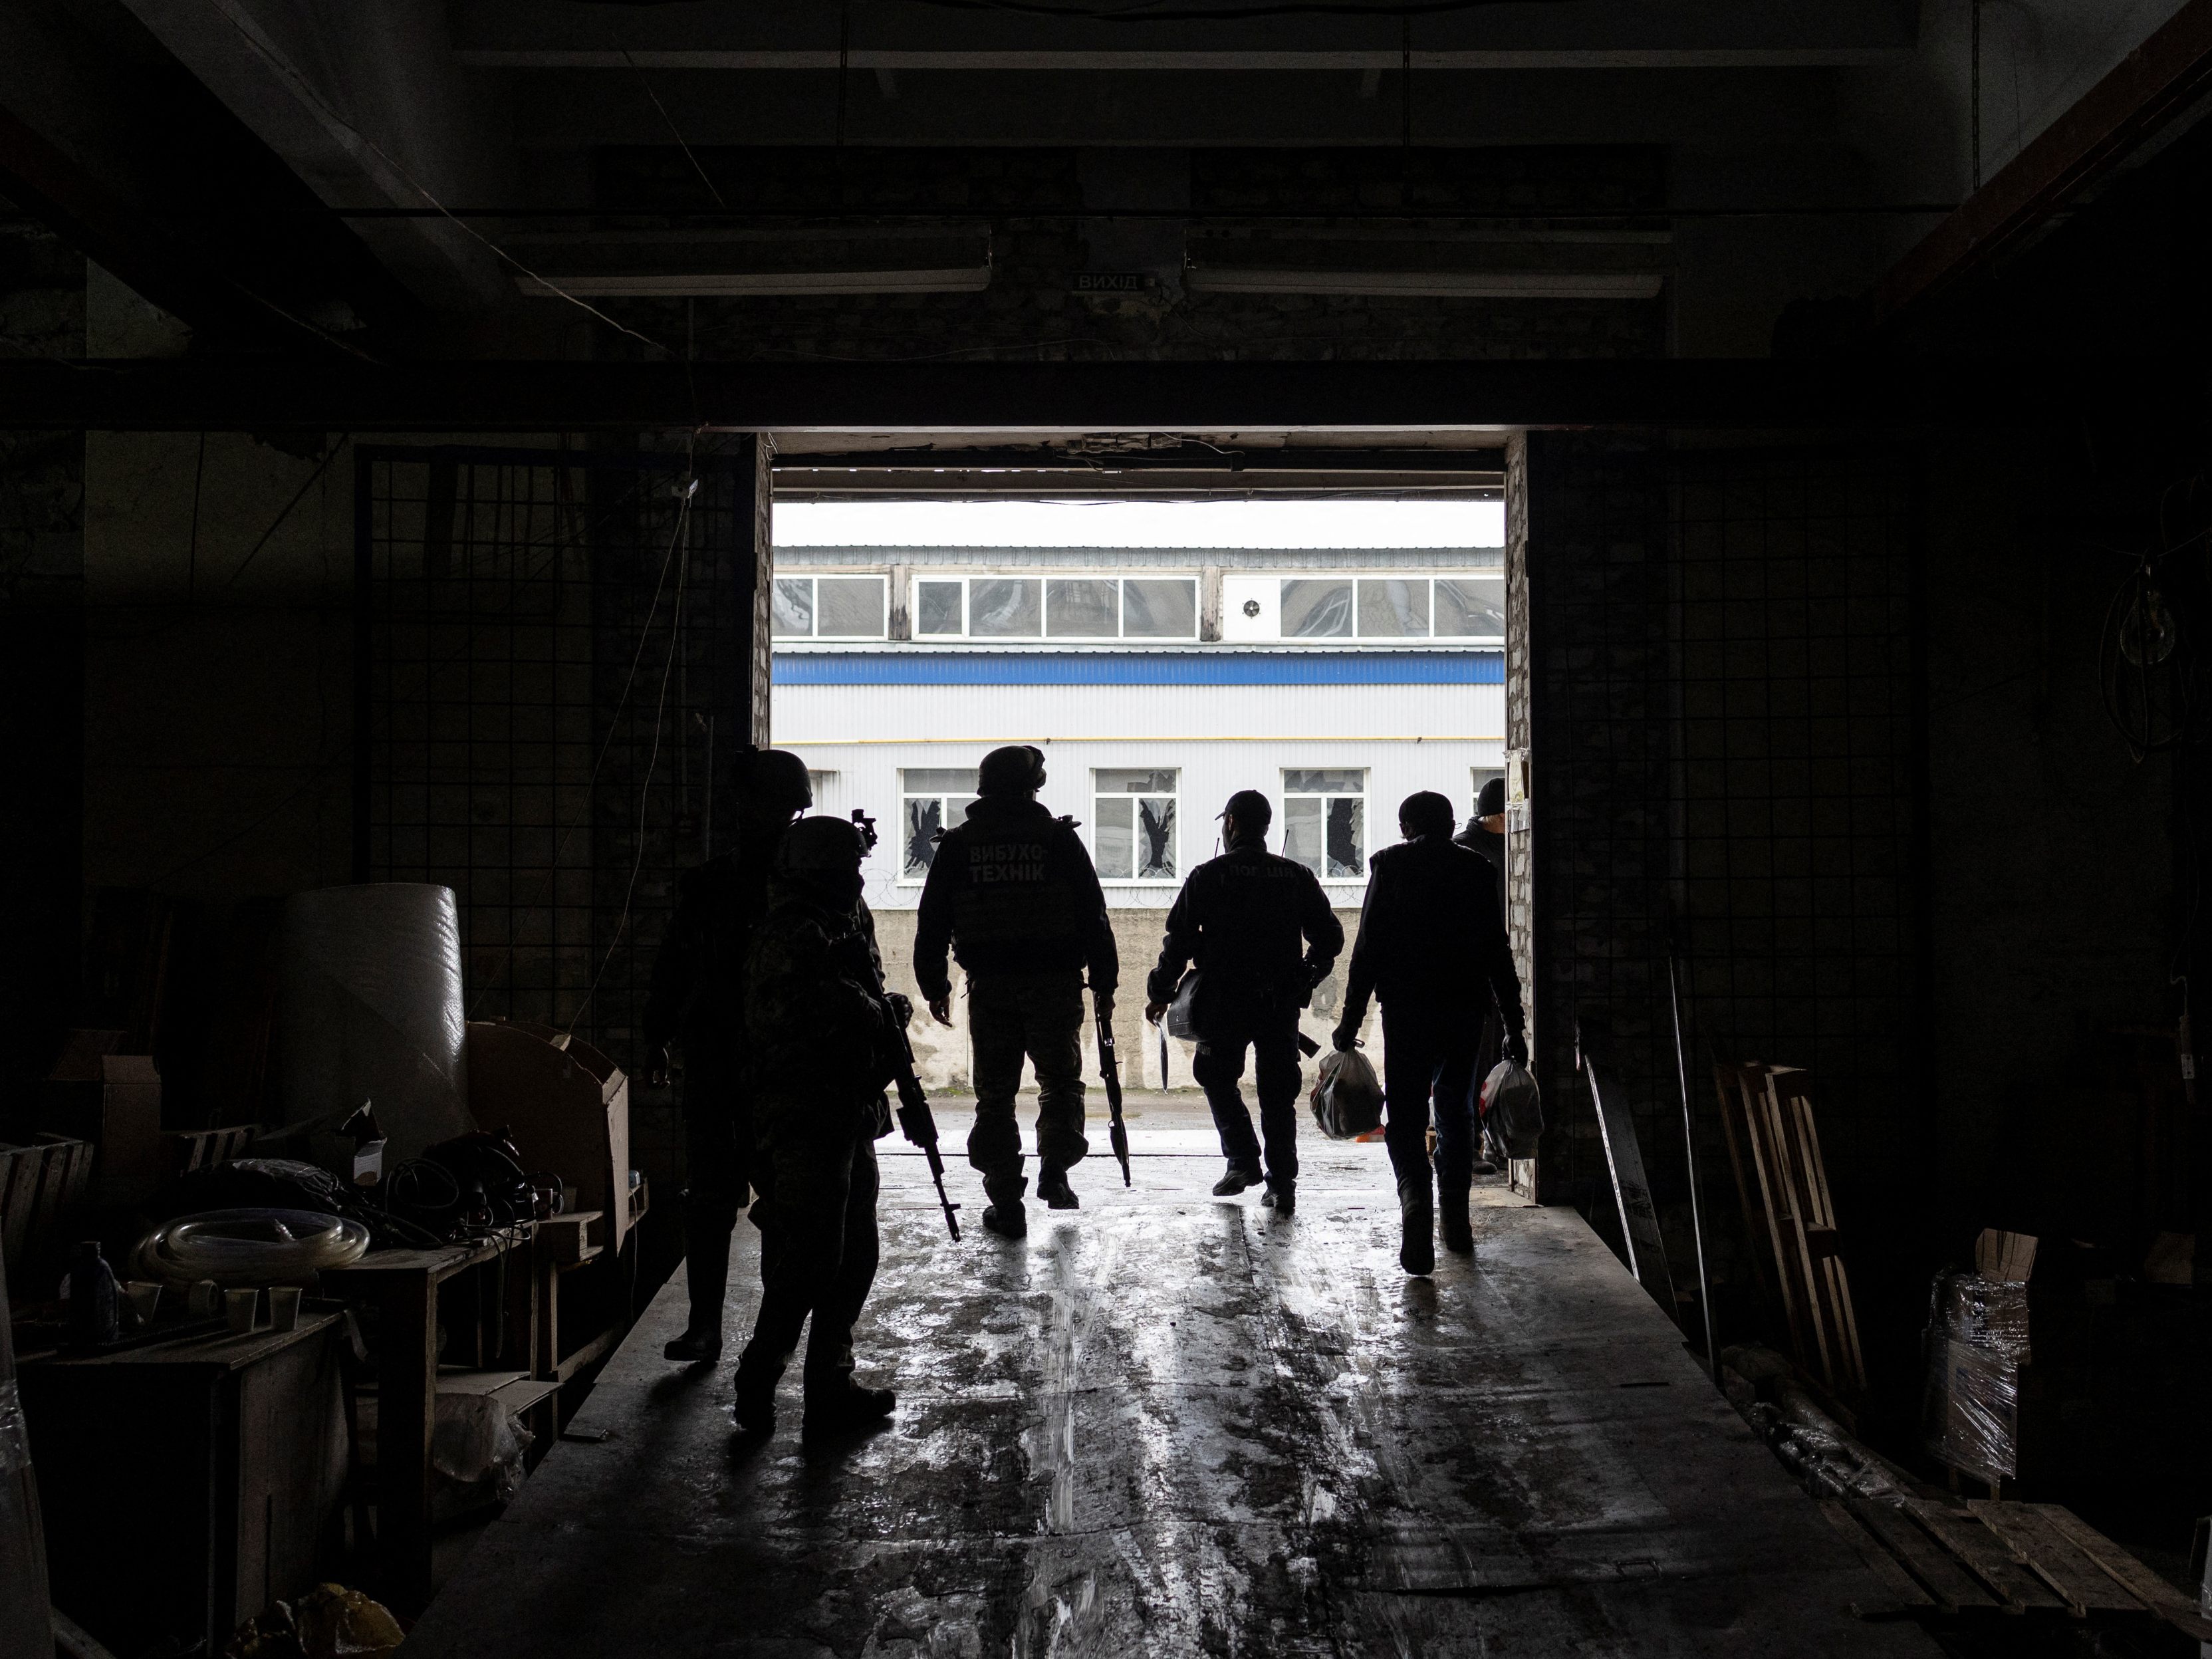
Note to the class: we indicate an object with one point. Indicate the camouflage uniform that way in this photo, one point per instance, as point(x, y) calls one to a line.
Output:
point(817, 1050)
point(1012, 890)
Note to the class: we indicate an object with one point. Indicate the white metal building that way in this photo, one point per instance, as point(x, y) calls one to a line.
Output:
point(1157, 682)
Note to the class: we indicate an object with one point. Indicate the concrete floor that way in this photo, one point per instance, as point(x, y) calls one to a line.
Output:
point(1170, 1424)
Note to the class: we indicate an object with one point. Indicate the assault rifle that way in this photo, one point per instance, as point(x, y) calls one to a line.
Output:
point(1109, 1068)
point(916, 1120)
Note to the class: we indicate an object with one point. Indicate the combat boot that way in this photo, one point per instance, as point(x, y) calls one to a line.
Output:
point(1052, 1189)
point(756, 1378)
point(1237, 1178)
point(1417, 1246)
point(1004, 1214)
point(847, 1404)
point(1282, 1197)
point(1452, 1218)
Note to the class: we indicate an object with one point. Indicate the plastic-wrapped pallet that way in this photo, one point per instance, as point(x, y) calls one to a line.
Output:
point(1976, 1341)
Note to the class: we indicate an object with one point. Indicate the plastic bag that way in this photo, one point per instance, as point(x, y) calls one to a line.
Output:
point(1513, 1110)
point(1347, 1098)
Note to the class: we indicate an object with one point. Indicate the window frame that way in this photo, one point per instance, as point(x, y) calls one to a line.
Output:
point(1175, 834)
point(814, 579)
point(1363, 795)
point(1046, 577)
point(945, 821)
point(1354, 580)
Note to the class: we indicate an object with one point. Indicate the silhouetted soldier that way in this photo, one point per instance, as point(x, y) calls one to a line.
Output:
point(818, 1042)
point(1485, 834)
point(698, 1002)
point(1012, 891)
point(1261, 934)
point(1433, 946)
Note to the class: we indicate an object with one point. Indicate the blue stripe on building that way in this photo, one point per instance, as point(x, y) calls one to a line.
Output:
point(1145, 668)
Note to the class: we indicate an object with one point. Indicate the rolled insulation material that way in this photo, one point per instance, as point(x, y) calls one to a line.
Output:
point(369, 1008)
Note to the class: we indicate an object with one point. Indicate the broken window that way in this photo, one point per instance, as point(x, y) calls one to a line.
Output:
point(940, 609)
point(1394, 609)
point(1003, 607)
point(827, 607)
point(1083, 608)
point(931, 800)
point(1132, 835)
point(1325, 821)
point(1470, 607)
point(792, 608)
point(1317, 609)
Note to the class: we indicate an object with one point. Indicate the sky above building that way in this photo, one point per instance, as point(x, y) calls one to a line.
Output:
point(1268, 524)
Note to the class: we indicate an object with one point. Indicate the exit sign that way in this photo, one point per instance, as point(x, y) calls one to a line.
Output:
point(1115, 282)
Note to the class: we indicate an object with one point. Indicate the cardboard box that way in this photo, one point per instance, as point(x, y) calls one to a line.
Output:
point(114, 1101)
point(565, 1104)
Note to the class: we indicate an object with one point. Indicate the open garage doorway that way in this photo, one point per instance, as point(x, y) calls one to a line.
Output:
point(1335, 653)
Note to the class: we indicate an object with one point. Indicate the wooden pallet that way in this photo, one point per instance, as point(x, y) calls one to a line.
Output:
point(2040, 1560)
point(201, 1149)
point(1782, 1181)
point(43, 1188)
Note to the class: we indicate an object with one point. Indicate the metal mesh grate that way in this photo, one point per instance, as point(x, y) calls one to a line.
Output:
point(546, 675)
point(1721, 685)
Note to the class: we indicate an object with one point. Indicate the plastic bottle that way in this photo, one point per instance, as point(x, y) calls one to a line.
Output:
point(92, 1315)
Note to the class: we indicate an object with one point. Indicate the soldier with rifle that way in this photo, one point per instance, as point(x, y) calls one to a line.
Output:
point(1013, 893)
point(823, 1039)
point(696, 1008)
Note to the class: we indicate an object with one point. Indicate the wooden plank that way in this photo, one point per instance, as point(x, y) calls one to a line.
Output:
point(1986, 1555)
point(1955, 1590)
point(2086, 1587)
point(1755, 1213)
point(1793, 1311)
point(1905, 1595)
point(2146, 1586)
point(1798, 1262)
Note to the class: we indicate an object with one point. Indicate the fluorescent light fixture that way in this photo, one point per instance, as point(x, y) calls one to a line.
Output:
point(729, 265)
point(1433, 285)
point(725, 284)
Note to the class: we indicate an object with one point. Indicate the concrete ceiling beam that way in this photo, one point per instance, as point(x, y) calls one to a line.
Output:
point(1021, 399)
point(367, 108)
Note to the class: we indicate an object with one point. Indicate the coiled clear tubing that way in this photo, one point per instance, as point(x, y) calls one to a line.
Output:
point(249, 1247)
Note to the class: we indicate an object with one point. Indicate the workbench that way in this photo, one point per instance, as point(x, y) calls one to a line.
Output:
point(515, 1328)
point(188, 1483)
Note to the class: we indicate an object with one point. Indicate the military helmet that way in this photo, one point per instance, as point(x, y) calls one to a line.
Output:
point(821, 844)
point(774, 779)
point(1016, 770)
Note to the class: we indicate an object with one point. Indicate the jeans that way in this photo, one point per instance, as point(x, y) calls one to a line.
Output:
point(1271, 1034)
point(1430, 1052)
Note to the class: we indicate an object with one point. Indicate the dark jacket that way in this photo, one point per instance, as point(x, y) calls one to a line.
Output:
point(817, 1035)
point(1258, 926)
point(697, 995)
point(1429, 933)
point(1490, 847)
point(1012, 890)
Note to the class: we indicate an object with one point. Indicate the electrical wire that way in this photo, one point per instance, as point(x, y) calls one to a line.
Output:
point(653, 759)
point(278, 62)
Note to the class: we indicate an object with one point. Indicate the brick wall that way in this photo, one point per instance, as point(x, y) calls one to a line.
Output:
point(1720, 692)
